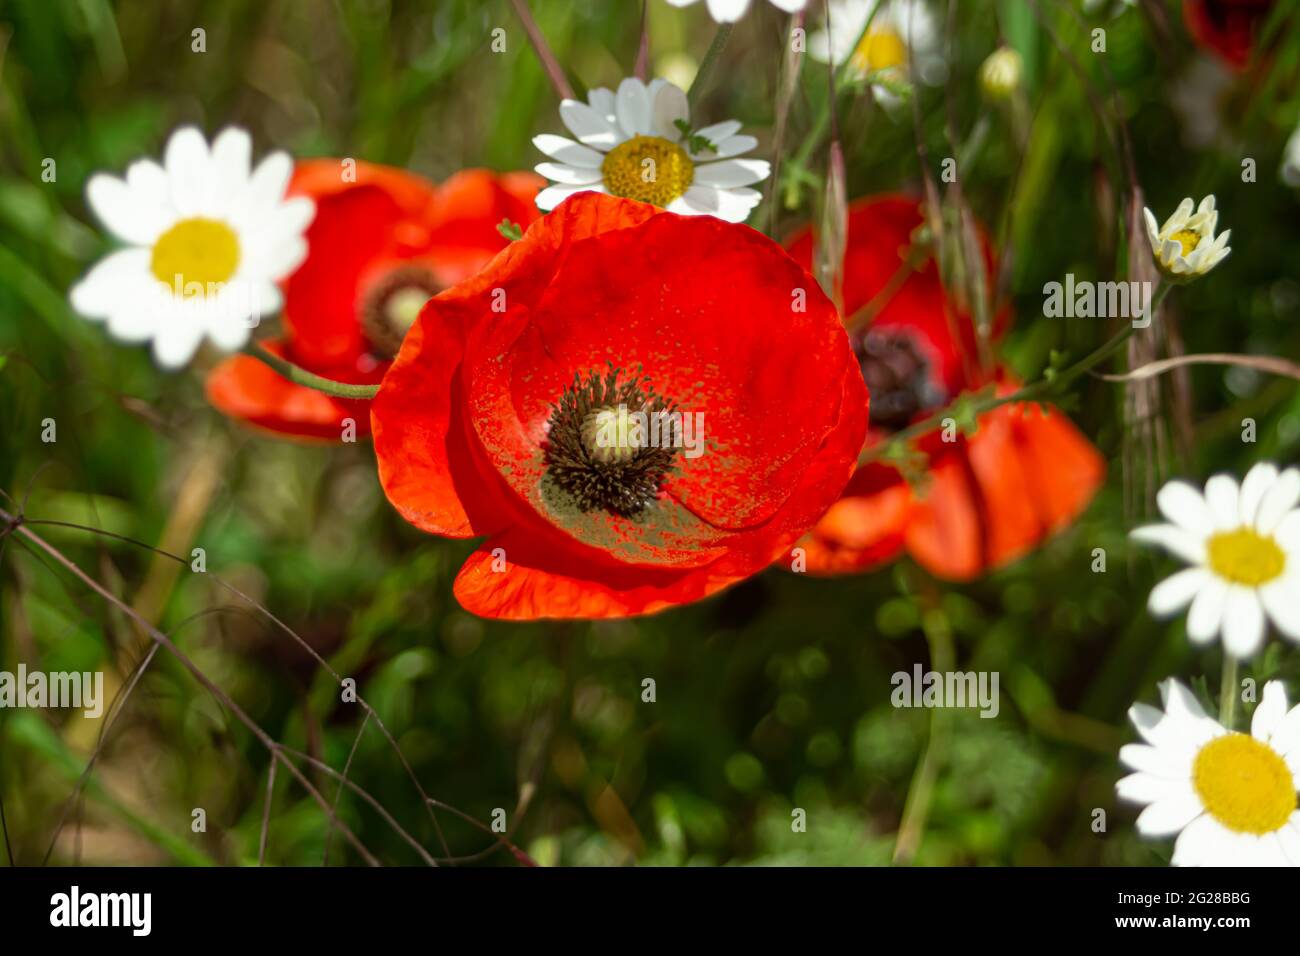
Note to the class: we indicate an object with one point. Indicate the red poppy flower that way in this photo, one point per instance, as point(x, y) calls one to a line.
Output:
point(382, 243)
point(512, 411)
point(1228, 28)
point(992, 496)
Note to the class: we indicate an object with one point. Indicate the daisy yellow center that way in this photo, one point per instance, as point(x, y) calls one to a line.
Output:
point(195, 255)
point(1244, 784)
point(880, 49)
point(1188, 239)
point(1246, 557)
point(648, 168)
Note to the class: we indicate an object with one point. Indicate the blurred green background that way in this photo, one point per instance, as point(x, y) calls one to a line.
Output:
point(771, 697)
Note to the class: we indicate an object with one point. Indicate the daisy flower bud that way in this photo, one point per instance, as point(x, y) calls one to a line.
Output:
point(1185, 247)
point(1000, 73)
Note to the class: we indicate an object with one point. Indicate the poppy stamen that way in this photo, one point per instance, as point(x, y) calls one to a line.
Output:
point(598, 449)
point(898, 377)
point(391, 306)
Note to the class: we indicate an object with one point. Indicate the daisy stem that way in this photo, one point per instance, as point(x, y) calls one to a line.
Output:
point(301, 376)
point(1228, 692)
point(707, 64)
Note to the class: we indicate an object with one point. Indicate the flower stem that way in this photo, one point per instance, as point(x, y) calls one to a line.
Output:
point(920, 793)
point(1038, 391)
point(301, 376)
point(708, 63)
point(1228, 690)
point(549, 63)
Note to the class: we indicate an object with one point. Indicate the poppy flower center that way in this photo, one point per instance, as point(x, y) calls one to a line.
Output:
point(1246, 557)
point(392, 305)
point(194, 256)
point(649, 169)
point(599, 448)
point(1244, 784)
point(880, 49)
point(1188, 239)
point(898, 379)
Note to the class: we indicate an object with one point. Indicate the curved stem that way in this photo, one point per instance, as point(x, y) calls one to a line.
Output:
point(1228, 691)
point(710, 60)
point(1043, 388)
point(301, 376)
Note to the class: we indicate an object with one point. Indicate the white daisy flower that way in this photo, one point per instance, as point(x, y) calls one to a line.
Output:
point(729, 11)
point(1229, 797)
point(208, 237)
point(639, 144)
point(1243, 543)
point(898, 34)
point(1185, 246)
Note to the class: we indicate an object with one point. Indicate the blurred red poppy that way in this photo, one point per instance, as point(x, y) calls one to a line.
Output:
point(382, 243)
point(491, 420)
point(1228, 28)
point(991, 497)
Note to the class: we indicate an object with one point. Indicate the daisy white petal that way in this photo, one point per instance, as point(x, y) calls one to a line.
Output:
point(1177, 541)
point(189, 169)
point(669, 108)
point(568, 152)
point(590, 127)
point(175, 344)
point(1281, 498)
point(1176, 592)
point(1167, 816)
point(1243, 622)
point(1257, 481)
point(1157, 761)
point(552, 196)
point(730, 173)
point(1205, 619)
point(1183, 505)
point(1281, 601)
point(601, 100)
point(232, 154)
point(1268, 715)
point(1179, 701)
point(1204, 842)
point(719, 131)
point(568, 175)
point(1145, 787)
point(1223, 496)
point(1287, 532)
point(731, 146)
point(114, 204)
point(108, 282)
point(633, 106)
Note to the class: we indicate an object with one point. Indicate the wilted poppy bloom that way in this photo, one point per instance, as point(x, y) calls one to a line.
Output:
point(1229, 28)
point(990, 497)
point(382, 243)
point(636, 408)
